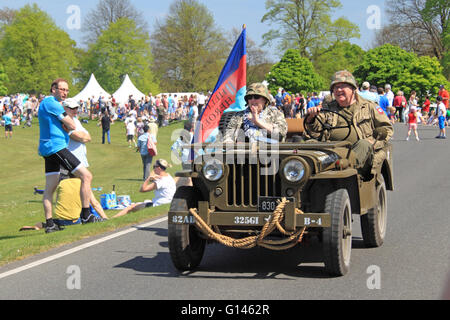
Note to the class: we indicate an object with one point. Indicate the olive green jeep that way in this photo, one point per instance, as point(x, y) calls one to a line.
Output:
point(273, 196)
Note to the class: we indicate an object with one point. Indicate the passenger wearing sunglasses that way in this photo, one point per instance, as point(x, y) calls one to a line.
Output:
point(258, 121)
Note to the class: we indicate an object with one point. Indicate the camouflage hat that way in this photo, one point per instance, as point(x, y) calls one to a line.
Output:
point(343, 76)
point(258, 89)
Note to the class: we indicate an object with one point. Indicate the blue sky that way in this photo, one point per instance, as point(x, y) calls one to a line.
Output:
point(228, 14)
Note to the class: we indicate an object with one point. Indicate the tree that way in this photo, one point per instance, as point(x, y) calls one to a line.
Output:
point(446, 58)
point(403, 70)
point(3, 80)
point(306, 25)
point(426, 20)
point(295, 74)
point(107, 12)
point(405, 36)
point(189, 50)
point(35, 51)
point(7, 15)
point(340, 56)
point(121, 49)
point(438, 11)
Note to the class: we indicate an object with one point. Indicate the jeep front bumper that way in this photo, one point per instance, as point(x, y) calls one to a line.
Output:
point(292, 219)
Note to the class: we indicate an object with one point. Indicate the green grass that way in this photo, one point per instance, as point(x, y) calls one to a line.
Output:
point(22, 169)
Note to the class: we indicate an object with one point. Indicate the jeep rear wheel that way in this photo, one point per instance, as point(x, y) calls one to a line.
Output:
point(373, 224)
point(337, 240)
point(186, 247)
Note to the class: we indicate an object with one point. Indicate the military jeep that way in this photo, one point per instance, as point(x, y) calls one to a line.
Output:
point(273, 196)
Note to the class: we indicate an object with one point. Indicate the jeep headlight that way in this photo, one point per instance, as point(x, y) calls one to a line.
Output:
point(213, 170)
point(294, 171)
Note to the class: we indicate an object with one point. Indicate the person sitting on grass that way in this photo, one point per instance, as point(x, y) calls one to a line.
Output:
point(159, 181)
point(68, 201)
point(68, 205)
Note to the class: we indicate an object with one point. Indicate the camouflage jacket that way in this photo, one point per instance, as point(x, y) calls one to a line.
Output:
point(269, 115)
point(367, 117)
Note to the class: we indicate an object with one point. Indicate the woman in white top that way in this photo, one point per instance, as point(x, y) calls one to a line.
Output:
point(77, 145)
point(161, 183)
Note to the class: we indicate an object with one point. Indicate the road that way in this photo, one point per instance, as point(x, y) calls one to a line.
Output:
point(412, 264)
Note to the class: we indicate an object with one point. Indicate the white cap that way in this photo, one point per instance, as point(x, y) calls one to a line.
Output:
point(71, 103)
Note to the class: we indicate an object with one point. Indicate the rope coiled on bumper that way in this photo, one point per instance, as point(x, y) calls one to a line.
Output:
point(293, 238)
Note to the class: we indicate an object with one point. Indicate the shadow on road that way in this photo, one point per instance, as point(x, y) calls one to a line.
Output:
point(220, 262)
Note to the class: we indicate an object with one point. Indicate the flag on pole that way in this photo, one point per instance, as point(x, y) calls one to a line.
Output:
point(228, 95)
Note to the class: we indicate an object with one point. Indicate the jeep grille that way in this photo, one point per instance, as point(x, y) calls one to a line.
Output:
point(245, 184)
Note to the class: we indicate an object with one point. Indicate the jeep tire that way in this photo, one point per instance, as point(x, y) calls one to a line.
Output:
point(186, 247)
point(337, 240)
point(373, 224)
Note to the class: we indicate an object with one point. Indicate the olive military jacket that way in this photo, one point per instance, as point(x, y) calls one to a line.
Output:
point(367, 117)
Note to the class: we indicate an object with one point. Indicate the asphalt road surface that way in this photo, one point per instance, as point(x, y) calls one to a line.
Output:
point(413, 263)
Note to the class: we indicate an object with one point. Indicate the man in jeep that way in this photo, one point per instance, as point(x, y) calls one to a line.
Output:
point(365, 119)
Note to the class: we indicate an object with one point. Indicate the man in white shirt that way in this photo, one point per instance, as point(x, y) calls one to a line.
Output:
point(442, 113)
point(131, 130)
point(201, 100)
point(389, 94)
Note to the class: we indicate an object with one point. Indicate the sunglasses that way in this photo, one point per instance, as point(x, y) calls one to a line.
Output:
point(254, 97)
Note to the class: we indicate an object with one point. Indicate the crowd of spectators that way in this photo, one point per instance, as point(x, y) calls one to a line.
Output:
point(396, 106)
point(143, 118)
point(167, 107)
point(162, 108)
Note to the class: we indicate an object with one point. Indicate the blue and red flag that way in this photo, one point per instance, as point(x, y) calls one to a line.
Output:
point(228, 95)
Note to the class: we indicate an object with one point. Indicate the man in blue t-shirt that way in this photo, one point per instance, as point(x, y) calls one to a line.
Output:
point(384, 101)
point(55, 127)
point(311, 103)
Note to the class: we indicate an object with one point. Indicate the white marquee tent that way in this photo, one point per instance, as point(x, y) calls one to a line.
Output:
point(126, 89)
point(92, 88)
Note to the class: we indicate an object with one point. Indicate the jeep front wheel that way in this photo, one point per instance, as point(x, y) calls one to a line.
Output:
point(337, 239)
point(186, 247)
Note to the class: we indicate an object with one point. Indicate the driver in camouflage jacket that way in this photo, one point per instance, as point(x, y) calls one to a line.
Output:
point(363, 115)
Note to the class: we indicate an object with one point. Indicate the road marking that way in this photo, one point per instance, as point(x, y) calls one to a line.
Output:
point(79, 248)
